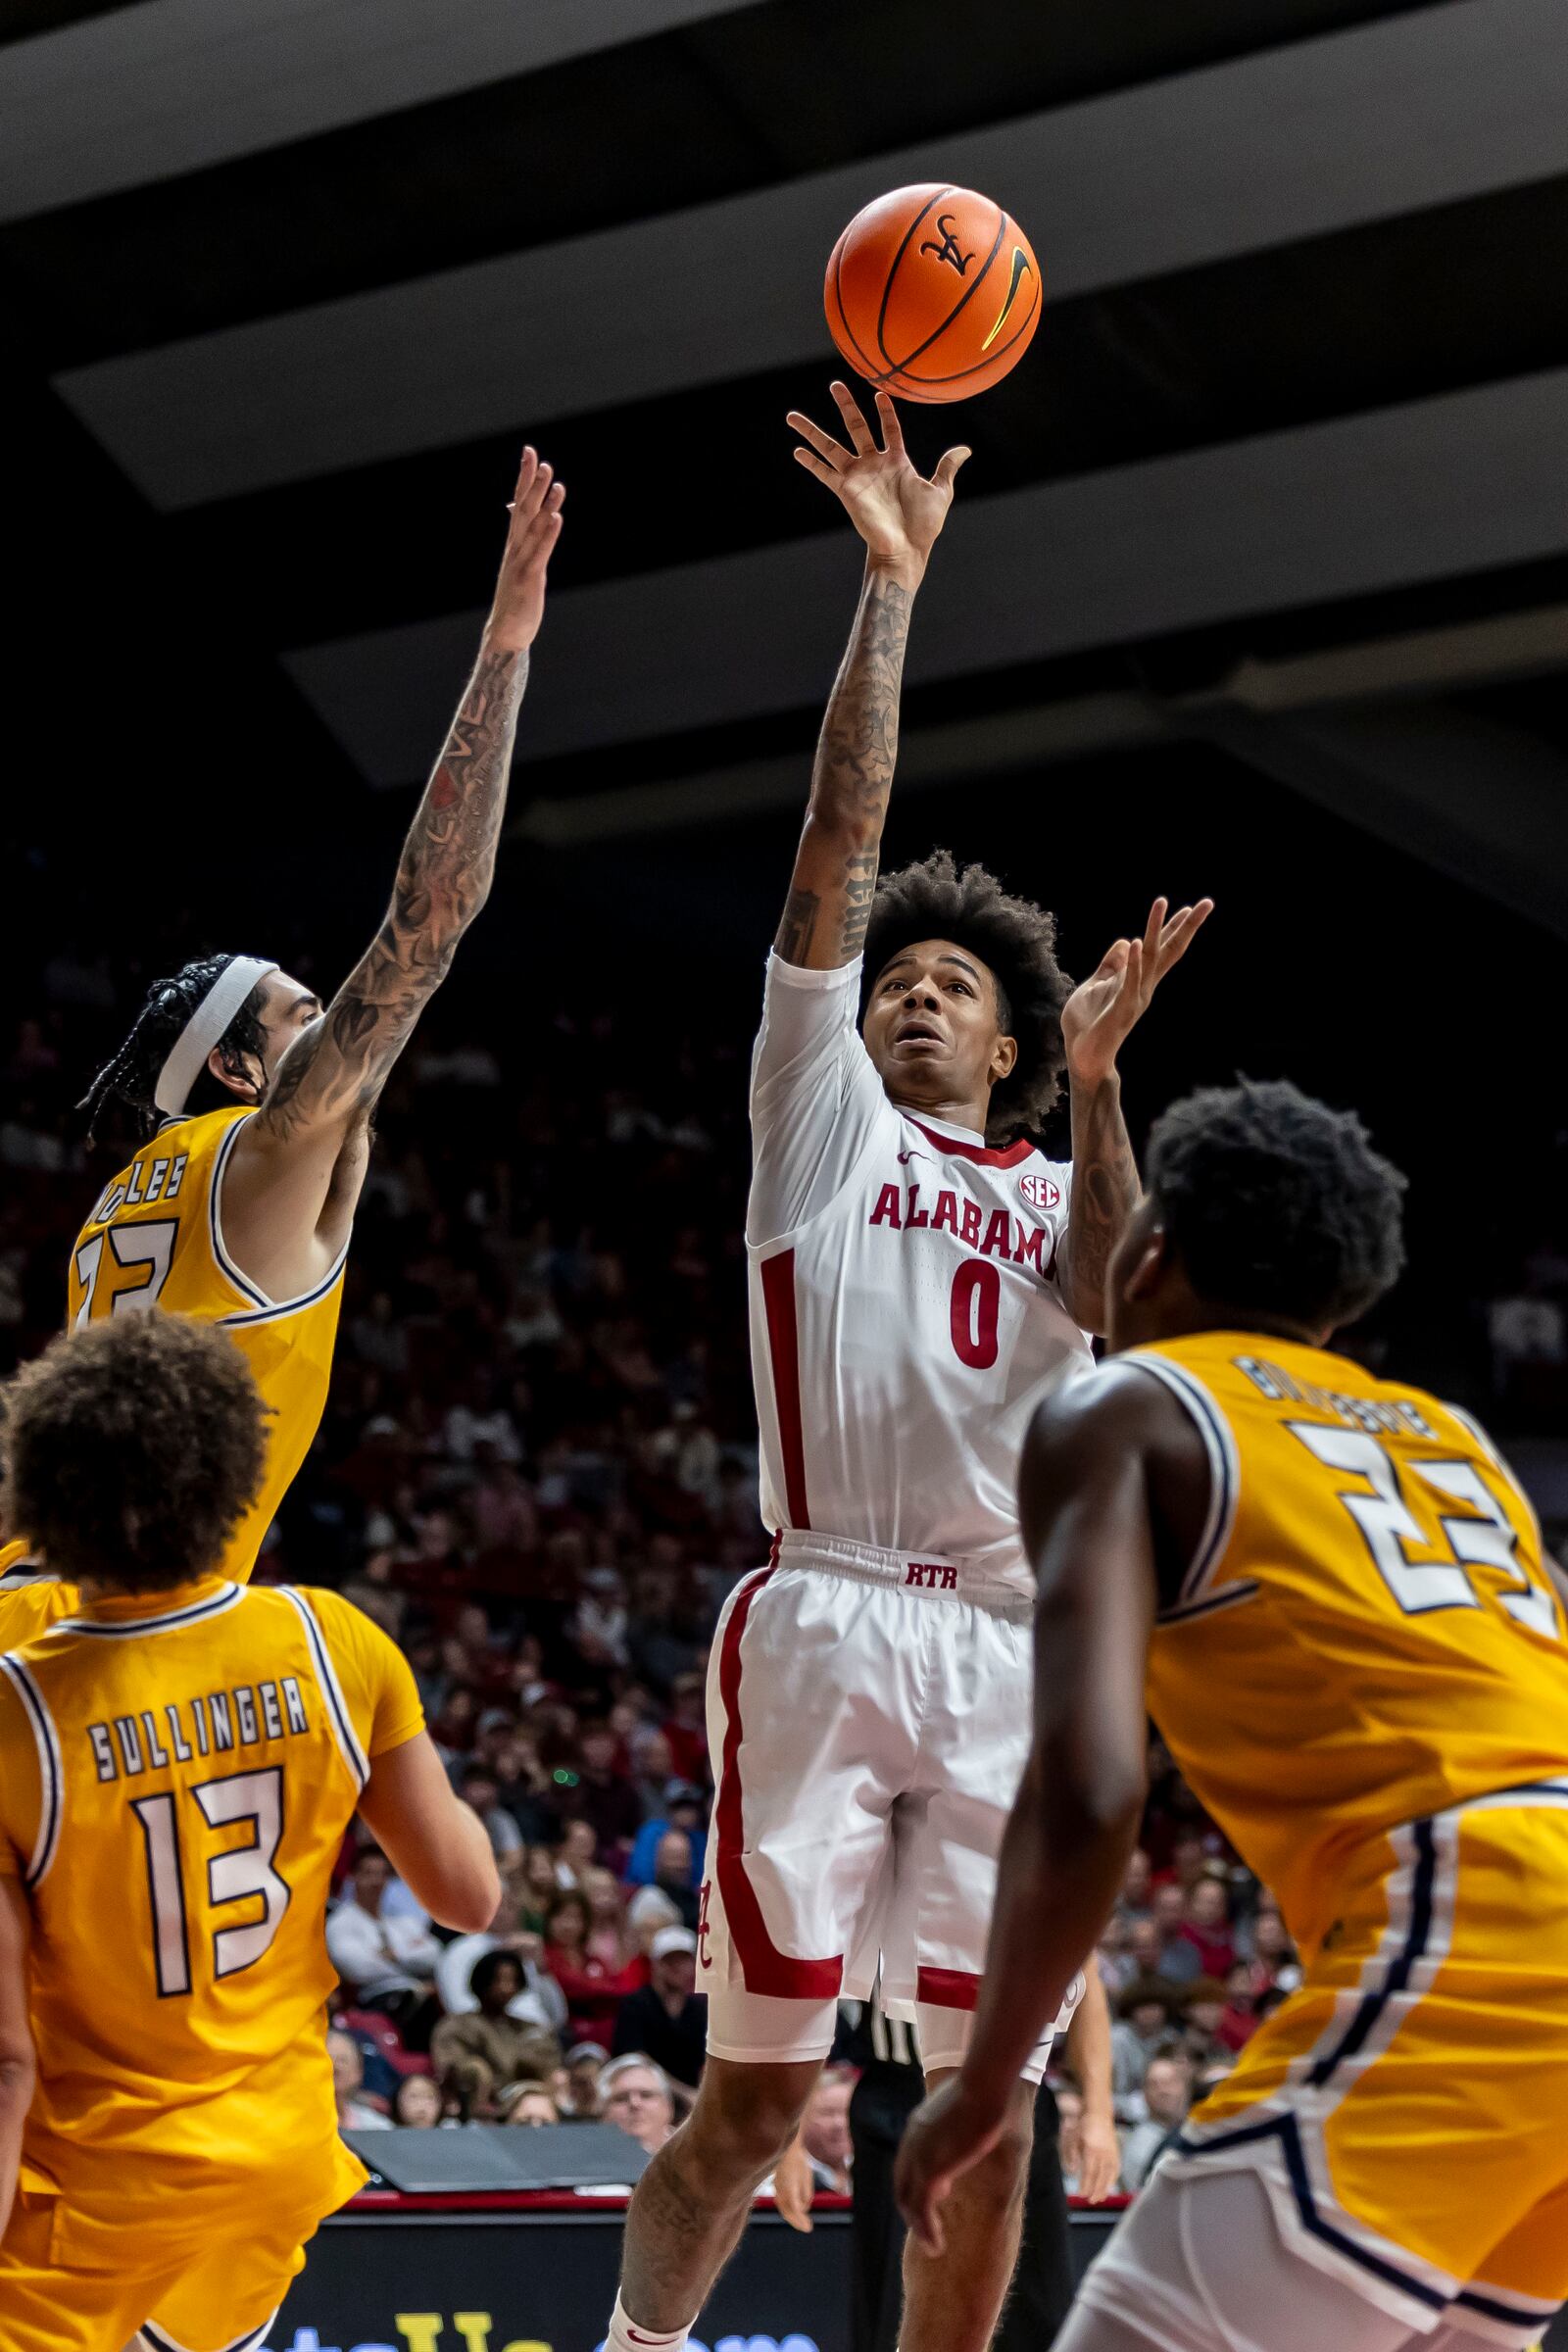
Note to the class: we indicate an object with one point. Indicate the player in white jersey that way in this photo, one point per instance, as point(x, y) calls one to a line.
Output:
point(921, 1277)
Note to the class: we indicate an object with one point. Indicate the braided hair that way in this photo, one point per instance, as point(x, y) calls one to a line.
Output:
point(1017, 942)
point(132, 1075)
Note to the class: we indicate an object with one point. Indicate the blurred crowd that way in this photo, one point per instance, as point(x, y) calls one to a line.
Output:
point(538, 1472)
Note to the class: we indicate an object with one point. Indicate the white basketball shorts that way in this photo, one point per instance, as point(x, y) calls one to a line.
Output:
point(869, 1715)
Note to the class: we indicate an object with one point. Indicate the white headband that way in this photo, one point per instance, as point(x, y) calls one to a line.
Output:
point(187, 1057)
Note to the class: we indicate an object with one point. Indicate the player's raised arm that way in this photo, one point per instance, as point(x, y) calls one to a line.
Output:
point(335, 1072)
point(1096, 1021)
point(899, 514)
point(1085, 1503)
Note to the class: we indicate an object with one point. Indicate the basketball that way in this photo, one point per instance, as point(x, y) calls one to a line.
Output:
point(932, 293)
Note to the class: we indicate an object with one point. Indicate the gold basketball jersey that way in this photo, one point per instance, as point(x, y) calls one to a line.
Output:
point(176, 1775)
point(1366, 1636)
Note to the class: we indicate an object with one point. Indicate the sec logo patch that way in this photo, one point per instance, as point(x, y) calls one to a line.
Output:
point(1040, 1192)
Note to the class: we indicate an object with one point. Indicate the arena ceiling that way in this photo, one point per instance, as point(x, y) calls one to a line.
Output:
point(283, 284)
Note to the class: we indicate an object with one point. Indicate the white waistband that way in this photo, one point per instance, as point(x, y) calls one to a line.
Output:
point(934, 1572)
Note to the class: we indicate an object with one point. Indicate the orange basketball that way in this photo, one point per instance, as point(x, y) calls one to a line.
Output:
point(933, 293)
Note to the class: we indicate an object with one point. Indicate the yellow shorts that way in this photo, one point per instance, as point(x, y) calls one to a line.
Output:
point(1405, 2107)
point(219, 2298)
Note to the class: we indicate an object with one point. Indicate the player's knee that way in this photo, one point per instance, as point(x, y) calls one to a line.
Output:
point(741, 2125)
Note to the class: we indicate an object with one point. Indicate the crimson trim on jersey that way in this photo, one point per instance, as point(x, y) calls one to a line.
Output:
point(982, 1154)
point(764, 1966)
point(784, 1353)
point(947, 1988)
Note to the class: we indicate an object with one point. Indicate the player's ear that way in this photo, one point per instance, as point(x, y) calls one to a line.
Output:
point(1144, 1276)
point(1003, 1056)
point(241, 1073)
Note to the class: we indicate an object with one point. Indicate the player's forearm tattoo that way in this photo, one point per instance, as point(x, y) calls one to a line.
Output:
point(853, 775)
point(443, 880)
point(1104, 1192)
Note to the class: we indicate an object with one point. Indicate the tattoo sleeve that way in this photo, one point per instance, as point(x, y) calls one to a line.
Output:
point(1104, 1194)
point(341, 1063)
point(835, 870)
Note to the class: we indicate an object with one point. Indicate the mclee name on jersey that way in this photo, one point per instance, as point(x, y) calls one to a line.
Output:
point(218, 1721)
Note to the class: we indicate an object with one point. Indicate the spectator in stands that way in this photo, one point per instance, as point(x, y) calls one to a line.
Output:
point(654, 1773)
point(1203, 2009)
point(527, 2103)
point(585, 2061)
point(1238, 2018)
point(1069, 2129)
point(541, 1884)
point(684, 1809)
point(667, 2020)
point(825, 2129)
point(478, 1788)
point(418, 2105)
point(676, 1868)
point(385, 1962)
point(1166, 2090)
point(1179, 1960)
point(1143, 2029)
point(354, 2113)
point(476, 2053)
point(601, 1797)
point(576, 1853)
point(686, 1728)
point(593, 1993)
point(635, 2094)
point(1206, 1926)
point(541, 2001)
point(1133, 1901)
point(1273, 1955)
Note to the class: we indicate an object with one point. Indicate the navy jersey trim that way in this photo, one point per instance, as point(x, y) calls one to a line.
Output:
point(353, 1754)
point(1224, 1469)
point(1396, 1974)
point(133, 1628)
point(262, 1309)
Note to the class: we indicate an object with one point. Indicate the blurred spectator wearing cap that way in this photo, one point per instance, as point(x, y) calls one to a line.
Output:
point(635, 2096)
point(476, 2053)
point(1145, 2027)
point(668, 2019)
point(685, 1809)
point(578, 2095)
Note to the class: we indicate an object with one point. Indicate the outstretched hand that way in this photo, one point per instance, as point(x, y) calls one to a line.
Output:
point(519, 605)
point(897, 511)
point(947, 2133)
point(1100, 1011)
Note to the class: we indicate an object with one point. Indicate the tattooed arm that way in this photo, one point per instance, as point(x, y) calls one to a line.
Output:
point(289, 1193)
point(899, 514)
point(1095, 1021)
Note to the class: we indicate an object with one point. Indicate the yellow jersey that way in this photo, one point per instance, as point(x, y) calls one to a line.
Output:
point(155, 1238)
point(177, 1773)
point(1366, 1636)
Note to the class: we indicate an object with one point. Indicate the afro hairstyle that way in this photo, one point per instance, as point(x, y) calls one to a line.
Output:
point(1276, 1204)
point(1017, 942)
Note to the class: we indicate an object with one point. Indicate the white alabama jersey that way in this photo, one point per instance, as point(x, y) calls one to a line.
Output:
point(906, 1318)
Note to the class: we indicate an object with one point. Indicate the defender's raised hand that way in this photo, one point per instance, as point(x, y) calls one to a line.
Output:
point(1100, 1011)
point(897, 511)
point(519, 600)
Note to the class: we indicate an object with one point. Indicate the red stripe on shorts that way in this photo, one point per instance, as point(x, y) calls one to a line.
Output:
point(784, 1348)
point(947, 1988)
point(764, 1966)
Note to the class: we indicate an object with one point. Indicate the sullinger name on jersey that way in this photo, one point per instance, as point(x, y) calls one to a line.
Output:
point(1004, 1235)
point(215, 1721)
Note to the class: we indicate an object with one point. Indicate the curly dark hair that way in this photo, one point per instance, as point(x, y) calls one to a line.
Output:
point(132, 1075)
point(133, 1448)
point(1277, 1204)
point(1017, 942)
